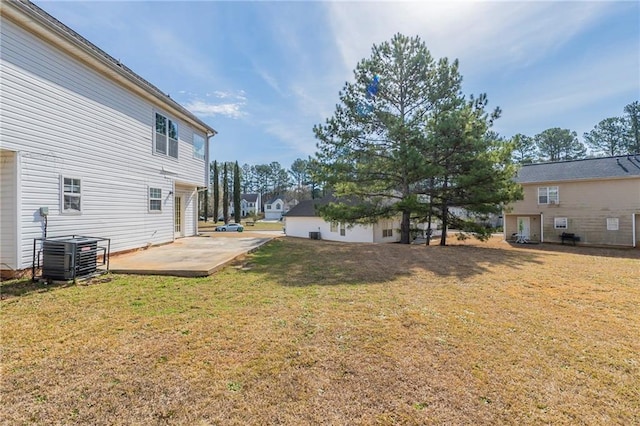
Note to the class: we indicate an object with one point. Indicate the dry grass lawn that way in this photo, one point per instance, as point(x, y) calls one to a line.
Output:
point(310, 332)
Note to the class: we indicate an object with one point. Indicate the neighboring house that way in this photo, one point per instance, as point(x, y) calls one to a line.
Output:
point(303, 221)
point(275, 208)
point(597, 199)
point(249, 205)
point(103, 152)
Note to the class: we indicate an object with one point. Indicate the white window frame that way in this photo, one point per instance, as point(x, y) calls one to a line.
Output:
point(550, 193)
point(343, 229)
point(171, 144)
point(198, 146)
point(333, 226)
point(387, 229)
point(154, 196)
point(613, 224)
point(71, 194)
point(560, 223)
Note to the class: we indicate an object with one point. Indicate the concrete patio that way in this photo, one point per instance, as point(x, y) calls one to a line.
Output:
point(191, 256)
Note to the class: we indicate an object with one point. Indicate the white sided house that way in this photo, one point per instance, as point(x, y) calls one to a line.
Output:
point(275, 208)
point(87, 146)
point(303, 221)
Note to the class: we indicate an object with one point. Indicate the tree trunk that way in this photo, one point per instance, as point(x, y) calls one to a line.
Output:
point(405, 228)
point(445, 225)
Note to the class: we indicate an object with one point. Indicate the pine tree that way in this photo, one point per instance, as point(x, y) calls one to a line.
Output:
point(403, 130)
point(225, 193)
point(237, 214)
point(216, 191)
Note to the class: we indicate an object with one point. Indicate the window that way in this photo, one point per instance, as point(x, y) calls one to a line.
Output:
point(71, 195)
point(613, 224)
point(333, 227)
point(278, 206)
point(268, 207)
point(548, 195)
point(198, 147)
point(155, 199)
point(560, 223)
point(166, 136)
point(387, 229)
point(343, 230)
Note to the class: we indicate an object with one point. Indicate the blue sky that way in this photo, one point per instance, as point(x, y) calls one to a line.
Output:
point(264, 73)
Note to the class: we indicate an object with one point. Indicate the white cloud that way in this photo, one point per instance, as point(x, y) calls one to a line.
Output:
point(478, 33)
point(204, 109)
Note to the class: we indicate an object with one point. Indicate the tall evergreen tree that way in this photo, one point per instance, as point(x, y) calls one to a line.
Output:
point(237, 213)
point(216, 191)
point(314, 178)
point(262, 176)
point(399, 131)
point(225, 193)
point(247, 181)
point(299, 173)
point(558, 144)
point(632, 119)
point(524, 149)
point(608, 137)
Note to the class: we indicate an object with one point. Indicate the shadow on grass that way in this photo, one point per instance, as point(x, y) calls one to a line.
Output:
point(616, 252)
point(300, 262)
point(26, 286)
point(22, 287)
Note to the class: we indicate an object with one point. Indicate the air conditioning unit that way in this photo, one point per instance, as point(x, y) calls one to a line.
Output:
point(314, 235)
point(68, 258)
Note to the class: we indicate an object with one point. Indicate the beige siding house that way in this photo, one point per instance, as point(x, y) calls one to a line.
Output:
point(596, 199)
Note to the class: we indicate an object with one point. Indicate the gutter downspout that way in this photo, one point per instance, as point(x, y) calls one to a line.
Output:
point(633, 229)
point(541, 227)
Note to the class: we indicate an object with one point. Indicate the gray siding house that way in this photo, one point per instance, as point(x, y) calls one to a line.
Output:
point(597, 199)
point(104, 151)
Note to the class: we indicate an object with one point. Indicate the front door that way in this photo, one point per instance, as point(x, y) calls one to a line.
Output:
point(524, 226)
point(177, 211)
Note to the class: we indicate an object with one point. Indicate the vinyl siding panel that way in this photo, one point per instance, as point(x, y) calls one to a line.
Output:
point(67, 120)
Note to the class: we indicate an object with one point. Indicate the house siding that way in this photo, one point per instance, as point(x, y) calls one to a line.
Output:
point(66, 119)
point(300, 226)
point(586, 205)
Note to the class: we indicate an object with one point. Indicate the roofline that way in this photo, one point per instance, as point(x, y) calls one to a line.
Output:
point(581, 159)
point(36, 21)
point(590, 179)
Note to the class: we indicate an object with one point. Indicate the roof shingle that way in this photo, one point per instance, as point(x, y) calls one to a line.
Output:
point(589, 168)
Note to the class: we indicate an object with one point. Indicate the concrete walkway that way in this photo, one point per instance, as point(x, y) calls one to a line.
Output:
point(191, 256)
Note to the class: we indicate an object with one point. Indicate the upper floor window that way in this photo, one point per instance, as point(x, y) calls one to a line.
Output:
point(71, 195)
point(198, 146)
point(166, 136)
point(548, 195)
point(268, 207)
point(278, 206)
